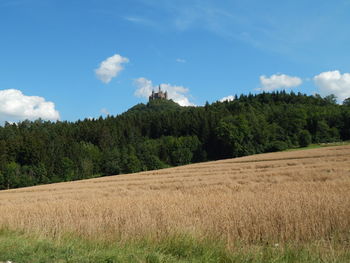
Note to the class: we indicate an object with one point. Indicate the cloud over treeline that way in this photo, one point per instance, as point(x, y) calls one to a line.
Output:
point(333, 82)
point(279, 81)
point(15, 106)
point(228, 98)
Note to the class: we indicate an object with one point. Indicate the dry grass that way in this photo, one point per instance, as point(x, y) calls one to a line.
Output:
point(278, 197)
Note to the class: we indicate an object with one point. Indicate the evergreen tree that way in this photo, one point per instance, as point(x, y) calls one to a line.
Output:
point(162, 134)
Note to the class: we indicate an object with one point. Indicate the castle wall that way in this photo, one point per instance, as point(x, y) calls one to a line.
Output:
point(158, 95)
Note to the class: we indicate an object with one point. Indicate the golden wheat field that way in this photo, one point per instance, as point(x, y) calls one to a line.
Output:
point(297, 196)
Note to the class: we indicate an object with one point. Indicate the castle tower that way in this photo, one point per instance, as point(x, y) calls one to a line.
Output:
point(158, 95)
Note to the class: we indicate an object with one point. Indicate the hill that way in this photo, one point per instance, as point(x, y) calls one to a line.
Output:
point(162, 134)
point(297, 197)
point(155, 106)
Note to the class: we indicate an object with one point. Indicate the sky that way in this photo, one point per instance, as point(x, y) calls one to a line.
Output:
point(71, 60)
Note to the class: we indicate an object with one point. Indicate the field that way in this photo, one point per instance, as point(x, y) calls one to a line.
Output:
point(276, 200)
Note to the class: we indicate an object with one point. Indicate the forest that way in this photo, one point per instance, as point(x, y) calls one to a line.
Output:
point(162, 134)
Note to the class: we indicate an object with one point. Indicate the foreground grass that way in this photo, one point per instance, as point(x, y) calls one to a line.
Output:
point(300, 200)
point(19, 247)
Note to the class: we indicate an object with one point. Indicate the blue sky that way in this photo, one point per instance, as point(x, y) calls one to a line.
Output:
point(77, 59)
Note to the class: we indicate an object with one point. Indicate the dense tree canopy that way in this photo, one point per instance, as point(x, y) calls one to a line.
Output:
point(162, 134)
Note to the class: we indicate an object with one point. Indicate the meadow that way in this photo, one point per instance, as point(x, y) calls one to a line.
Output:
point(286, 201)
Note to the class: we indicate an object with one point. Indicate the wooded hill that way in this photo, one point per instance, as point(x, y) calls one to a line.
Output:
point(162, 134)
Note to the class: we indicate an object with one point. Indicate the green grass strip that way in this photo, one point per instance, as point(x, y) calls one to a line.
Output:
point(17, 247)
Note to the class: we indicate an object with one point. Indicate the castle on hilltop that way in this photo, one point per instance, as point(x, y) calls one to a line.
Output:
point(158, 95)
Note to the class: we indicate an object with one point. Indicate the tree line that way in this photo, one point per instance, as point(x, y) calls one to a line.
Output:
point(163, 134)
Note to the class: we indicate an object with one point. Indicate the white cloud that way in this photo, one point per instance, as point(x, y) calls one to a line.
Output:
point(104, 111)
point(181, 60)
point(110, 68)
point(15, 106)
point(144, 87)
point(135, 19)
point(278, 81)
point(228, 98)
point(333, 82)
point(141, 21)
point(176, 93)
